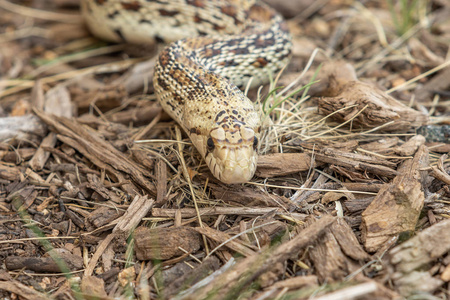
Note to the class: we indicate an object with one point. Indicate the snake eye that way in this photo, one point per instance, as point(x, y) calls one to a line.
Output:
point(210, 144)
point(255, 143)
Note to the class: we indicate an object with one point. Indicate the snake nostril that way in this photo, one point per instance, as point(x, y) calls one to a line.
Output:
point(210, 144)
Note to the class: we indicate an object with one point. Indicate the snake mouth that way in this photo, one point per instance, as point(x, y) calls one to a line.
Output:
point(232, 164)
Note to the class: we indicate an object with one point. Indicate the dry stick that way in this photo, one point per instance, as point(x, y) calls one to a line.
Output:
point(188, 179)
point(217, 211)
point(231, 282)
point(309, 189)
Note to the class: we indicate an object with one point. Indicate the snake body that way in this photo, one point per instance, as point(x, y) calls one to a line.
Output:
point(218, 47)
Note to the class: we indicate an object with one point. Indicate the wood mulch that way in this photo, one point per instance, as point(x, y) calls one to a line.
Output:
point(102, 195)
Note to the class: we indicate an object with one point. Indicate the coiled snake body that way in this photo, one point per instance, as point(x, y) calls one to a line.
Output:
point(218, 46)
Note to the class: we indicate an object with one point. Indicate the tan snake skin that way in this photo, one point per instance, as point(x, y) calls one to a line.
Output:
point(219, 46)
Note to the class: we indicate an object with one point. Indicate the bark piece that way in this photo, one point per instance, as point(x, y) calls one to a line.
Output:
point(416, 281)
point(226, 240)
point(26, 127)
point(445, 276)
point(330, 253)
point(44, 264)
point(425, 247)
point(370, 107)
point(164, 243)
point(104, 97)
point(93, 287)
point(143, 158)
point(161, 179)
point(280, 164)
point(134, 214)
point(40, 158)
point(96, 185)
point(356, 162)
point(23, 198)
point(190, 278)
point(22, 290)
point(138, 209)
point(397, 206)
point(17, 156)
point(101, 216)
point(348, 241)
point(57, 102)
point(411, 146)
point(138, 76)
point(382, 145)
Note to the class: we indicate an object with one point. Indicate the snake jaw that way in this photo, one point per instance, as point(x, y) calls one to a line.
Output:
point(233, 164)
point(231, 153)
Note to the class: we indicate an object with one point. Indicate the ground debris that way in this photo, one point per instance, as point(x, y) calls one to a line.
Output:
point(351, 195)
point(370, 107)
point(397, 206)
point(282, 164)
point(45, 264)
point(409, 259)
point(165, 243)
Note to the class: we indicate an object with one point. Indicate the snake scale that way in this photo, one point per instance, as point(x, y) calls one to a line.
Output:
point(217, 48)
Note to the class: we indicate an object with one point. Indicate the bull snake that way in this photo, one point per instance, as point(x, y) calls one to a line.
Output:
point(218, 47)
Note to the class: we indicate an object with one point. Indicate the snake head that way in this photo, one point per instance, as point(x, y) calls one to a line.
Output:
point(231, 153)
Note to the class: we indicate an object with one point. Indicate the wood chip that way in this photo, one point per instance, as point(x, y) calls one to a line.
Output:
point(165, 243)
point(45, 264)
point(93, 287)
point(280, 164)
point(226, 240)
point(40, 158)
point(369, 107)
point(397, 206)
point(329, 253)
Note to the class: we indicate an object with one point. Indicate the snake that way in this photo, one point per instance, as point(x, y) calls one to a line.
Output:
point(215, 50)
